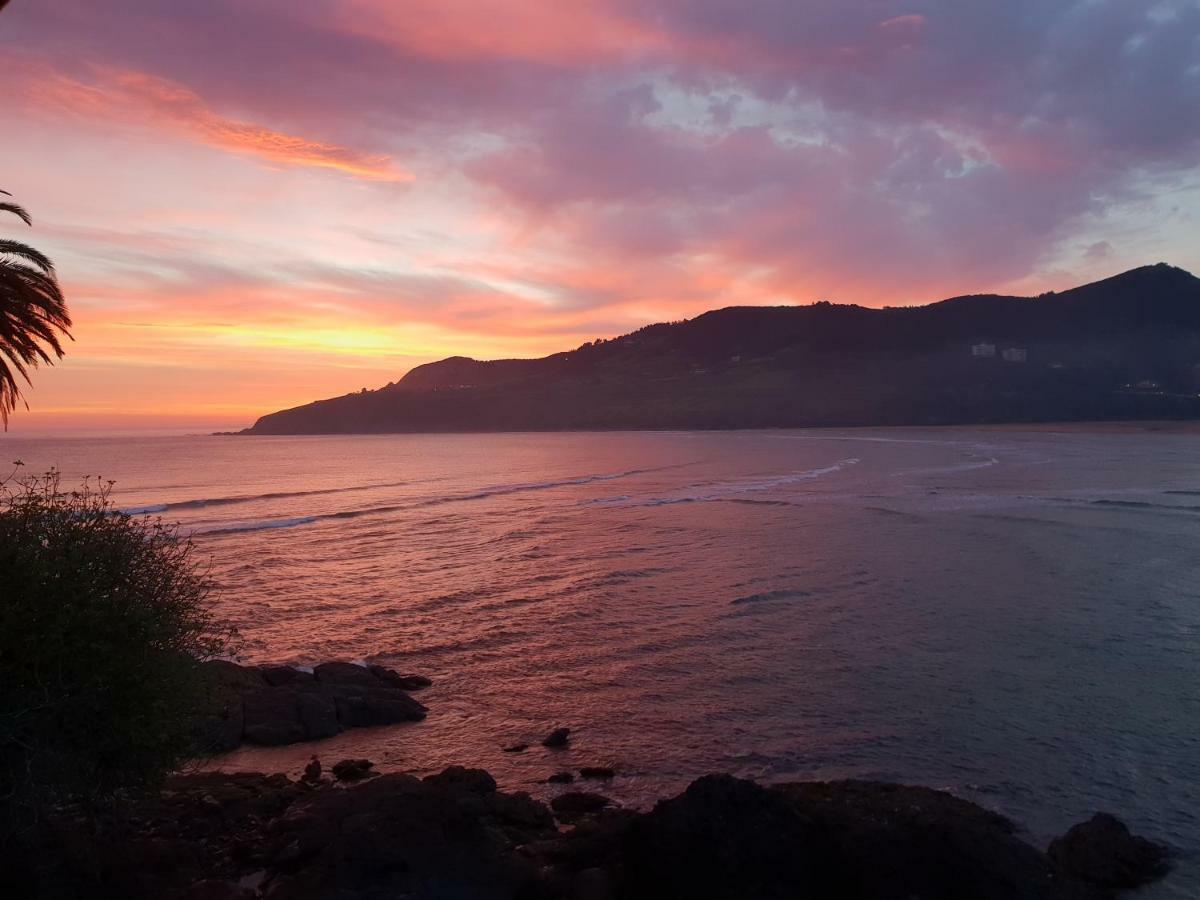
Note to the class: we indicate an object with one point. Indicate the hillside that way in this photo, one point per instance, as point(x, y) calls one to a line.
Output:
point(1124, 347)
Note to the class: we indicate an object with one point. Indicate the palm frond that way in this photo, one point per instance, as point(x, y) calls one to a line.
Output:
point(27, 253)
point(33, 313)
point(18, 211)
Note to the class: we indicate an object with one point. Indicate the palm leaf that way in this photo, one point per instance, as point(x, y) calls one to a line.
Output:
point(33, 314)
point(27, 253)
point(18, 211)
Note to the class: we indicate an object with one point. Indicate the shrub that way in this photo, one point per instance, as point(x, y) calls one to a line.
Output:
point(103, 624)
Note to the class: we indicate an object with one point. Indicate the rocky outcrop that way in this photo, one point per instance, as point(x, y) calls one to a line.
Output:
point(1101, 851)
point(273, 705)
point(454, 835)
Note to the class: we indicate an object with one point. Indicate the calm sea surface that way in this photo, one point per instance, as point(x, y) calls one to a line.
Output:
point(1011, 616)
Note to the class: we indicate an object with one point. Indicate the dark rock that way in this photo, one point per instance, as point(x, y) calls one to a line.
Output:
point(601, 772)
point(345, 673)
point(1101, 851)
point(560, 778)
point(230, 674)
point(271, 716)
point(557, 738)
point(516, 748)
point(458, 778)
point(397, 836)
point(593, 884)
point(318, 715)
point(574, 804)
point(404, 682)
point(312, 772)
point(522, 811)
point(352, 769)
point(277, 676)
point(357, 708)
point(896, 841)
point(725, 837)
point(275, 705)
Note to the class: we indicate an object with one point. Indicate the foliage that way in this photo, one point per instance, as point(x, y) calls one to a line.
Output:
point(103, 624)
point(33, 313)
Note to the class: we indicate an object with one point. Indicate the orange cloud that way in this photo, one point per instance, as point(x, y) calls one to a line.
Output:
point(132, 96)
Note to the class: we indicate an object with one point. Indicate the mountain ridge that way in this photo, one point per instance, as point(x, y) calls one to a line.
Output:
point(1124, 346)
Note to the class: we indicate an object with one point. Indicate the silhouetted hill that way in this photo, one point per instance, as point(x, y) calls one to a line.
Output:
point(1124, 347)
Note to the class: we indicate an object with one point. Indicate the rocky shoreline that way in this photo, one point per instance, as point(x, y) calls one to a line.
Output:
point(347, 832)
point(455, 836)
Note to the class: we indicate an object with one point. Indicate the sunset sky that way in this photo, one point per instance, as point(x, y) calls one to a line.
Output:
point(256, 203)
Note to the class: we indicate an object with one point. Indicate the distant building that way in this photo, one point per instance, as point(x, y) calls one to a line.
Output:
point(1015, 354)
point(983, 350)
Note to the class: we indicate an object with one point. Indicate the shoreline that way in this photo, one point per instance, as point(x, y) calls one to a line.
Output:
point(1092, 426)
point(454, 834)
point(284, 836)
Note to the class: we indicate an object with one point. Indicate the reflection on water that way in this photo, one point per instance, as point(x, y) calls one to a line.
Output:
point(1010, 616)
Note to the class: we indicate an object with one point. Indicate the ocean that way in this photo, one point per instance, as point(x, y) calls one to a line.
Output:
point(1013, 616)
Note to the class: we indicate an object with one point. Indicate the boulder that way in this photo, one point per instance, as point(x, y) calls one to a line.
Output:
point(725, 837)
point(275, 705)
point(352, 769)
point(312, 772)
point(515, 748)
point(277, 676)
point(897, 841)
point(458, 778)
point(230, 674)
point(1101, 851)
point(597, 772)
point(345, 673)
point(522, 811)
point(358, 708)
point(557, 738)
point(408, 682)
point(396, 836)
point(575, 804)
point(272, 717)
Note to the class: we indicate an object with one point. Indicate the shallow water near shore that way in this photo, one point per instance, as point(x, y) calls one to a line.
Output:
point(1012, 616)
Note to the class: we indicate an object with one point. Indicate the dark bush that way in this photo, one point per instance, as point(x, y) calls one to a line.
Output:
point(103, 623)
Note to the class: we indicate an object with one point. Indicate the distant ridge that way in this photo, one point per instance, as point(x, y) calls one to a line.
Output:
point(1124, 347)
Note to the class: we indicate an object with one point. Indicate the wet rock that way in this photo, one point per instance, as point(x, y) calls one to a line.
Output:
point(458, 778)
point(278, 676)
point(275, 705)
point(312, 772)
point(1101, 851)
point(271, 716)
point(593, 884)
point(345, 673)
point(560, 778)
point(896, 841)
point(358, 708)
point(407, 682)
point(597, 772)
point(318, 715)
point(573, 805)
point(397, 836)
point(559, 737)
point(725, 837)
point(522, 811)
point(352, 769)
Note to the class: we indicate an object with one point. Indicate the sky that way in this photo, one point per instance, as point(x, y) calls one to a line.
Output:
point(257, 203)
